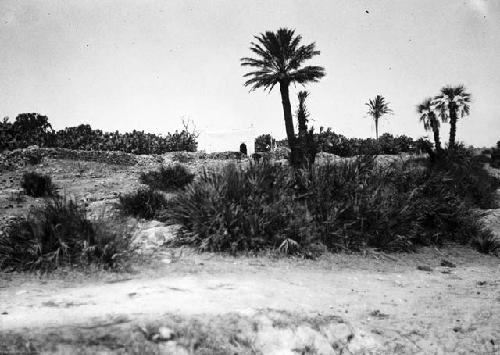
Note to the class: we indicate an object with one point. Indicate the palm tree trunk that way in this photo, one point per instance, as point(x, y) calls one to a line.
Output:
point(290, 132)
point(453, 126)
point(437, 140)
point(376, 127)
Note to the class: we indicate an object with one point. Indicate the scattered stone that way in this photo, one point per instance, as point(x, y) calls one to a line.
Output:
point(165, 333)
point(481, 283)
point(447, 263)
point(424, 268)
point(376, 313)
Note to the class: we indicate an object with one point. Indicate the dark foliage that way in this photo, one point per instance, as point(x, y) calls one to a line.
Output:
point(467, 177)
point(331, 142)
point(37, 185)
point(486, 243)
point(495, 156)
point(338, 206)
point(168, 178)
point(34, 129)
point(59, 233)
point(145, 203)
point(263, 143)
point(243, 149)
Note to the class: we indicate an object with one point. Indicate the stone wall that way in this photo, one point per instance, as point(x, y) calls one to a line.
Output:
point(21, 157)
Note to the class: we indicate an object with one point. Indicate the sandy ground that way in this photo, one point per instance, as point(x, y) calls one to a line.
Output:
point(391, 305)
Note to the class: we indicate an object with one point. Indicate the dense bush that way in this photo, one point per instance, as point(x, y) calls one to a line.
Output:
point(263, 143)
point(37, 185)
point(345, 205)
point(331, 142)
point(59, 233)
point(145, 203)
point(495, 156)
point(34, 129)
point(167, 178)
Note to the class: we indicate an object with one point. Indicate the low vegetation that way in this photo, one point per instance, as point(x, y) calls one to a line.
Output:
point(37, 185)
point(144, 203)
point(34, 129)
point(346, 205)
point(59, 233)
point(167, 178)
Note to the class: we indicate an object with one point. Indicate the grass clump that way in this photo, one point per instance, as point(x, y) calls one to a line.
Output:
point(240, 209)
point(37, 185)
point(348, 205)
point(168, 178)
point(60, 234)
point(144, 203)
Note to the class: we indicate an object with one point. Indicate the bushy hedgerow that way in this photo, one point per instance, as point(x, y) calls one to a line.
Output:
point(34, 129)
point(59, 233)
point(144, 203)
point(330, 142)
point(37, 185)
point(167, 178)
point(345, 205)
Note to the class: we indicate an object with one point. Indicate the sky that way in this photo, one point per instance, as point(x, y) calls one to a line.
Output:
point(146, 65)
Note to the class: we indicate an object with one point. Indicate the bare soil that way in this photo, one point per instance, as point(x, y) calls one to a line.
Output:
point(177, 301)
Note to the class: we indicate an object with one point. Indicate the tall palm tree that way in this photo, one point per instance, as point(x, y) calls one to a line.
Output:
point(377, 108)
point(452, 103)
point(430, 121)
point(279, 60)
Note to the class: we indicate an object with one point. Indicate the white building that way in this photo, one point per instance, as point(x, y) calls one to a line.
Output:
point(227, 140)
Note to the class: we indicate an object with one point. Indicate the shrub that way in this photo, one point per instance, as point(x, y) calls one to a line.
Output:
point(59, 233)
point(35, 129)
point(467, 177)
point(37, 185)
point(145, 203)
point(263, 143)
point(182, 157)
point(345, 205)
point(486, 243)
point(243, 149)
point(168, 178)
point(239, 209)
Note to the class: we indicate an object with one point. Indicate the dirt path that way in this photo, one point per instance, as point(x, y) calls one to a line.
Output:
point(388, 302)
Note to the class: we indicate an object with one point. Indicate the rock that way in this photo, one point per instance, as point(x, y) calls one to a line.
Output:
point(153, 234)
point(165, 333)
point(424, 268)
point(447, 263)
point(376, 313)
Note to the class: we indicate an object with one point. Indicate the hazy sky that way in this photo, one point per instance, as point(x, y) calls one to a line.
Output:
point(144, 64)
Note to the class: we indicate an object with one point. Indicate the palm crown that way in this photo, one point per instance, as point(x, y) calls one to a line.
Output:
point(279, 59)
point(452, 101)
point(427, 115)
point(451, 104)
point(430, 121)
point(377, 108)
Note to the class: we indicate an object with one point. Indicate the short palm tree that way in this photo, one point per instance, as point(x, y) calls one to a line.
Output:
point(302, 113)
point(430, 121)
point(377, 108)
point(451, 104)
point(279, 60)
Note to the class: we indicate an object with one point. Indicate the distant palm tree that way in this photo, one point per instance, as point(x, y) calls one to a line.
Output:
point(377, 108)
point(279, 61)
point(451, 104)
point(430, 121)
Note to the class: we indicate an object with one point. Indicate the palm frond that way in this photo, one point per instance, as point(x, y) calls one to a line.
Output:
point(279, 57)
